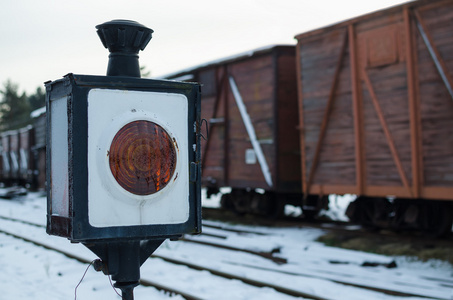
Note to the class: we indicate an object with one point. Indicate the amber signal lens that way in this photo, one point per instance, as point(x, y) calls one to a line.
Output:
point(142, 157)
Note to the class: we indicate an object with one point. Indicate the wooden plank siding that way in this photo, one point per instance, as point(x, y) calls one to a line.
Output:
point(387, 129)
point(266, 81)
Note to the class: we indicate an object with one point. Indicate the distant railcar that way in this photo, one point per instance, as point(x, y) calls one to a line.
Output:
point(5, 158)
point(26, 161)
point(10, 155)
point(250, 104)
point(376, 114)
point(23, 158)
point(17, 161)
point(39, 149)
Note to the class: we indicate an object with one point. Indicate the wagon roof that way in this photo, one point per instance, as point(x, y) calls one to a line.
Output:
point(185, 73)
point(360, 18)
point(38, 112)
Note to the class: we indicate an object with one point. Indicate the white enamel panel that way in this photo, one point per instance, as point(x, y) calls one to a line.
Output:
point(59, 157)
point(108, 203)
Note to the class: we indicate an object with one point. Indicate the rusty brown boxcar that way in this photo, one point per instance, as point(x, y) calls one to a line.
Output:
point(22, 161)
point(39, 150)
point(16, 156)
point(250, 104)
point(26, 161)
point(10, 155)
point(376, 114)
point(5, 158)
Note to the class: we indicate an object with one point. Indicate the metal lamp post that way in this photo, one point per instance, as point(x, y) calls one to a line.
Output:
point(123, 158)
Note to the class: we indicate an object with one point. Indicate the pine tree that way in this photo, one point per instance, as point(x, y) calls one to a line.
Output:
point(14, 108)
point(38, 99)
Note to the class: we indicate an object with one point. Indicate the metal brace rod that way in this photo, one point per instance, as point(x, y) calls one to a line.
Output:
point(387, 134)
point(251, 131)
point(440, 66)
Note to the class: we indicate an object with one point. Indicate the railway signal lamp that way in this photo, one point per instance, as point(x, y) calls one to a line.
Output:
point(123, 158)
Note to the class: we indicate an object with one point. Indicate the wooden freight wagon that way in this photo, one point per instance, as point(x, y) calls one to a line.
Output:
point(26, 142)
point(376, 113)
point(10, 154)
point(39, 149)
point(250, 104)
point(6, 161)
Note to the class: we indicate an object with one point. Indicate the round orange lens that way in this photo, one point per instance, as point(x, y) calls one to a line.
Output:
point(142, 157)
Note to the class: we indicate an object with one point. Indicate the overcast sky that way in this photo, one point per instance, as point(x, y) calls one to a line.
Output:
point(43, 40)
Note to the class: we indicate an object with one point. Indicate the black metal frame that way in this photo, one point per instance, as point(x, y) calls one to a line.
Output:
point(76, 227)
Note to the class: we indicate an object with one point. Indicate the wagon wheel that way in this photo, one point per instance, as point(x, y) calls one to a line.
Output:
point(313, 205)
point(398, 219)
point(226, 202)
point(310, 214)
point(436, 218)
point(275, 205)
point(369, 212)
point(237, 201)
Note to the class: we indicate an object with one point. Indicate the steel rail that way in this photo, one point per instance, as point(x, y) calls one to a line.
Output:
point(147, 282)
point(144, 282)
point(215, 272)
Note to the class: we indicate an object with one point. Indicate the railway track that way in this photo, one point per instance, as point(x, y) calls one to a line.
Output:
point(264, 260)
point(324, 224)
point(81, 258)
point(74, 254)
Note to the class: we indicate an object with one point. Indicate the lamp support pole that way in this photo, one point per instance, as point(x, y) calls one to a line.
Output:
point(122, 259)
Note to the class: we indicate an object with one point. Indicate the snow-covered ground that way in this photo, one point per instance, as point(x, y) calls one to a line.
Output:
point(30, 272)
